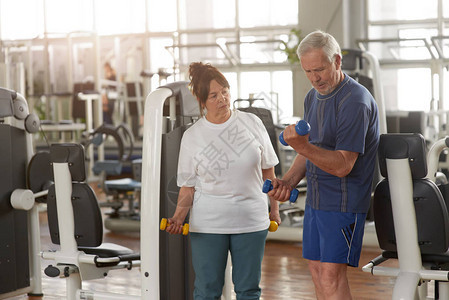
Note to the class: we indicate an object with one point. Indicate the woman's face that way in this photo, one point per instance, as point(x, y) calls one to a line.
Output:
point(218, 101)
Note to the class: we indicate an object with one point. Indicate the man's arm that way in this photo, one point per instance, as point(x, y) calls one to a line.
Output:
point(336, 162)
point(282, 188)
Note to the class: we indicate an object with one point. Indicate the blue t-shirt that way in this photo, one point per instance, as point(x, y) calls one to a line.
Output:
point(346, 119)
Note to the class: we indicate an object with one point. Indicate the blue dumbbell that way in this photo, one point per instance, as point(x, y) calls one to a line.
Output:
point(267, 186)
point(302, 128)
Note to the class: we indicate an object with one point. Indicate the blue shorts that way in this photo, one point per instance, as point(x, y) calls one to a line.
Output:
point(333, 237)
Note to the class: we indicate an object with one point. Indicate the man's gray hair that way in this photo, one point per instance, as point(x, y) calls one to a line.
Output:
point(319, 40)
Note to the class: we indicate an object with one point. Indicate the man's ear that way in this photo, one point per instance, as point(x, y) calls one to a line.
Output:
point(337, 61)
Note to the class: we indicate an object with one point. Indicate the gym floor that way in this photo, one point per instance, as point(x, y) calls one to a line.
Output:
point(284, 273)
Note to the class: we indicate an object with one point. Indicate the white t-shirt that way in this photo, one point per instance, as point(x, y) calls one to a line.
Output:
point(224, 163)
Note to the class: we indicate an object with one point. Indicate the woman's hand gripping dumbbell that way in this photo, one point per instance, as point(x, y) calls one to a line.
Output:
point(165, 223)
point(268, 186)
point(302, 128)
point(273, 226)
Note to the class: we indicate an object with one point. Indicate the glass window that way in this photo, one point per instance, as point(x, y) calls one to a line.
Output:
point(417, 47)
point(116, 16)
point(208, 47)
point(412, 51)
point(443, 44)
point(160, 57)
point(445, 9)
point(83, 61)
point(67, 16)
point(267, 12)
point(162, 15)
point(418, 97)
point(232, 79)
point(283, 97)
point(58, 68)
point(275, 89)
point(224, 14)
point(402, 9)
point(24, 25)
point(446, 92)
point(254, 83)
point(207, 14)
point(259, 49)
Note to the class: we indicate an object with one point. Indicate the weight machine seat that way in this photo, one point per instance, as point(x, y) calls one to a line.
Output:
point(87, 214)
point(110, 167)
point(122, 185)
point(431, 211)
point(125, 185)
point(109, 250)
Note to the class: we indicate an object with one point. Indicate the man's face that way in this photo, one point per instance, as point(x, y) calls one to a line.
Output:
point(323, 75)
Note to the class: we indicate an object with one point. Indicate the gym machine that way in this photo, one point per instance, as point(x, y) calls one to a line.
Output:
point(411, 217)
point(159, 182)
point(164, 260)
point(20, 270)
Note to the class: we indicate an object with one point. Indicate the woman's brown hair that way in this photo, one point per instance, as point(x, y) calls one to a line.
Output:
point(200, 76)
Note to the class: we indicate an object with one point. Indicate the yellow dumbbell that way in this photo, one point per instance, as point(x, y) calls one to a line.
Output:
point(164, 223)
point(273, 226)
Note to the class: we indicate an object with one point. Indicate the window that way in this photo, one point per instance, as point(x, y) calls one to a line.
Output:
point(267, 13)
point(402, 9)
point(59, 20)
point(240, 37)
point(414, 89)
point(117, 16)
point(283, 97)
point(24, 25)
point(406, 51)
point(160, 58)
point(162, 15)
point(200, 14)
point(273, 88)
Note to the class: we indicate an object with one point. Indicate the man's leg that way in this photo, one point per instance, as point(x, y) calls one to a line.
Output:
point(330, 280)
point(314, 267)
point(331, 242)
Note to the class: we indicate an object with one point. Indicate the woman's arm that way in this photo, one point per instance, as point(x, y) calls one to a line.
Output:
point(185, 201)
point(274, 205)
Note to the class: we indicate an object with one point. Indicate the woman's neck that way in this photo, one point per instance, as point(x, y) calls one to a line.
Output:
point(219, 118)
